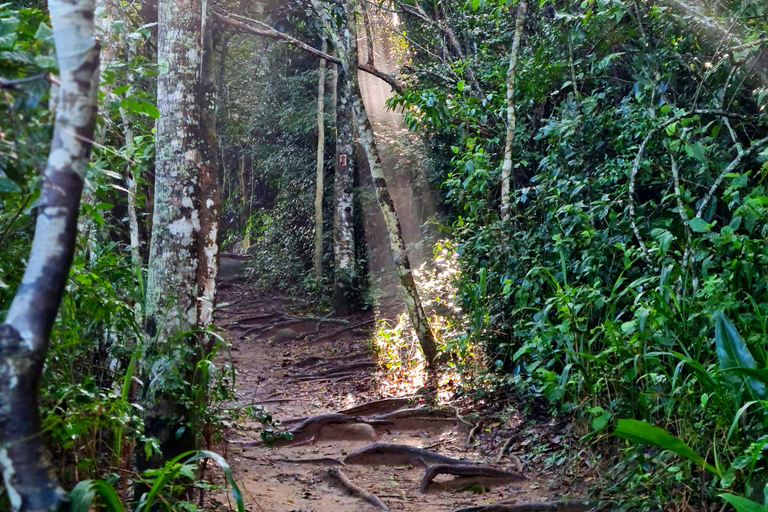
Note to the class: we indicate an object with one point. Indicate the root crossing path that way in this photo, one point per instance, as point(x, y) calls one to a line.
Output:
point(354, 448)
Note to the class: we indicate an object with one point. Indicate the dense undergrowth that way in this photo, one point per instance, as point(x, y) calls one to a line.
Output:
point(628, 287)
point(569, 302)
point(94, 385)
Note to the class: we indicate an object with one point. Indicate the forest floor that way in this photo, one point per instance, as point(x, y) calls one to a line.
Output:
point(299, 370)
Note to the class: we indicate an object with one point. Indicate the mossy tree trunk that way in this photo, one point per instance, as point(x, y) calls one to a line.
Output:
point(30, 479)
point(210, 197)
point(343, 216)
point(170, 349)
point(349, 59)
point(320, 171)
point(506, 168)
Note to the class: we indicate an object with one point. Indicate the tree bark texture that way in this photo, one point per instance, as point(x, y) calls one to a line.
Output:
point(399, 252)
point(210, 197)
point(506, 168)
point(318, 257)
point(29, 476)
point(172, 284)
point(343, 214)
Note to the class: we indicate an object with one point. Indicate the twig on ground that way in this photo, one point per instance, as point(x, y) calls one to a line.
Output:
point(504, 449)
point(330, 461)
point(339, 475)
point(339, 331)
point(471, 435)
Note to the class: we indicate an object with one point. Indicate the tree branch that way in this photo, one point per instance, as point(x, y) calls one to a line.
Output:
point(267, 31)
point(639, 156)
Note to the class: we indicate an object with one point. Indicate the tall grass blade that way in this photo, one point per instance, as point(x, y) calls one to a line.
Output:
point(81, 497)
point(733, 352)
point(645, 433)
point(743, 504)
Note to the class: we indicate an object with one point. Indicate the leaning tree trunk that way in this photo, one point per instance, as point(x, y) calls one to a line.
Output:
point(506, 168)
point(29, 476)
point(171, 304)
point(318, 259)
point(343, 215)
point(399, 252)
point(210, 198)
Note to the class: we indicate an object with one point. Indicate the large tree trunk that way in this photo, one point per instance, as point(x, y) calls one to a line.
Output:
point(210, 198)
point(367, 139)
point(343, 214)
point(506, 168)
point(171, 305)
point(318, 259)
point(29, 476)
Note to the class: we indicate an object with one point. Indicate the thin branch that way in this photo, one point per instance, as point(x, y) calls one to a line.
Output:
point(14, 84)
point(418, 12)
point(639, 156)
point(731, 167)
point(267, 31)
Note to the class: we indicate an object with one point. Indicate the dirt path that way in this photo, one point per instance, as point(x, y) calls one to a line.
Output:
point(294, 377)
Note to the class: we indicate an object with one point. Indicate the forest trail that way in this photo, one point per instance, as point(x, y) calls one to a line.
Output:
point(294, 377)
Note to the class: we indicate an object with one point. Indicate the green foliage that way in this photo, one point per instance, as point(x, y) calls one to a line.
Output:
point(164, 484)
point(561, 295)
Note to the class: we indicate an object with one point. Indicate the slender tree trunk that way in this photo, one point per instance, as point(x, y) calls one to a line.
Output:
point(132, 178)
point(210, 198)
point(506, 168)
point(343, 212)
point(245, 211)
point(318, 260)
point(29, 476)
point(399, 252)
point(171, 304)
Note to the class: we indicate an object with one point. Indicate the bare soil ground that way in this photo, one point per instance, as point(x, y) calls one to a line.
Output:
point(295, 377)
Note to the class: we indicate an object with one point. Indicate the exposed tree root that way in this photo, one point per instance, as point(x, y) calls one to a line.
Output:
point(291, 321)
point(554, 506)
point(339, 476)
point(327, 376)
point(466, 470)
point(385, 454)
point(253, 318)
point(471, 435)
point(328, 461)
point(335, 333)
point(339, 369)
point(504, 449)
point(271, 401)
point(311, 362)
point(366, 409)
point(308, 428)
point(420, 412)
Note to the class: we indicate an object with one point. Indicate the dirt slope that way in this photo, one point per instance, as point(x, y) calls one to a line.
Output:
point(295, 378)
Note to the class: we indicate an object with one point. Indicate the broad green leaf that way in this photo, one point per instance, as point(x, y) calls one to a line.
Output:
point(743, 504)
point(699, 225)
point(8, 35)
point(671, 129)
point(733, 352)
point(44, 33)
point(645, 433)
point(7, 185)
point(81, 497)
point(140, 107)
